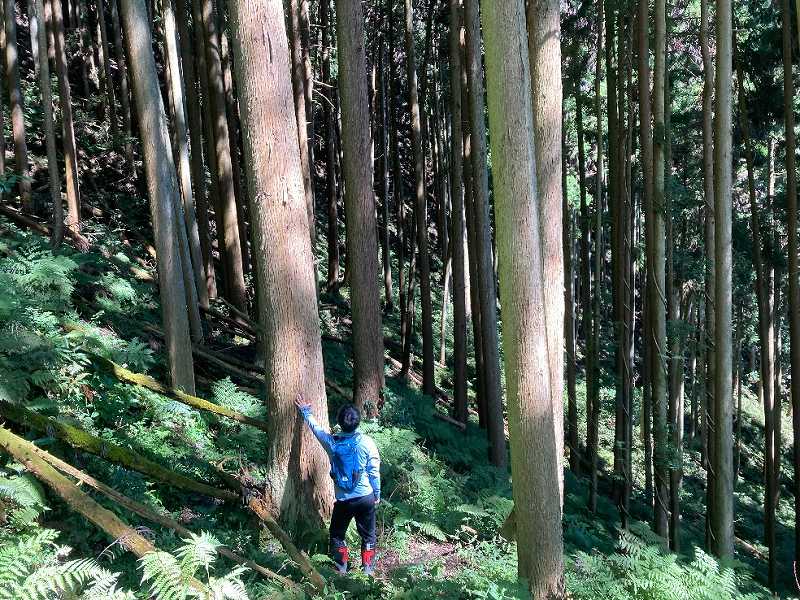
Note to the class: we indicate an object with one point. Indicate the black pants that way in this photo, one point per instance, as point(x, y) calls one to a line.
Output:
point(363, 511)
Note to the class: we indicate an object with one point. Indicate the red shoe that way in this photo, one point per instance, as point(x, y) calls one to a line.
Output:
point(340, 556)
point(368, 559)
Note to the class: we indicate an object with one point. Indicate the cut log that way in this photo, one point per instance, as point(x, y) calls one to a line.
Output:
point(82, 440)
point(130, 539)
point(145, 381)
point(149, 514)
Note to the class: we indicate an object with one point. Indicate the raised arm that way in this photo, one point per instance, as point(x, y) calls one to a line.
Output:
point(323, 436)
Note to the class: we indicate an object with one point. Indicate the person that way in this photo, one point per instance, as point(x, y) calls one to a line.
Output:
point(355, 470)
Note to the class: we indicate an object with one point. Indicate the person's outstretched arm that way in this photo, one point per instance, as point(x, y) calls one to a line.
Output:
point(373, 468)
point(323, 436)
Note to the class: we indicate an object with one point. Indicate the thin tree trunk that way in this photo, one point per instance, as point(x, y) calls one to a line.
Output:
point(297, 467)
point(458, 222)
point(163, 190)
point(383, 179)
point(49, 126)
point(490, 348)
point(16, 105)
point(301, 108)
point(420, 207)
point(330, 147)
point(710, 274)
point(646, 145)
point(105, 60)
point(124, 98)
point(583, 262)
point(593, 393)
point(794, 284)
point(3, 73)
point(722, 518)
point(184, 165)
point(68, 130)
point(658, 332)
point(225, 211)
point(362, 242)
point(569, 319)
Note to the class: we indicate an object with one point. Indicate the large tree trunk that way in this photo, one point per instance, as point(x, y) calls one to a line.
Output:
point(458, 222)
point(162, 186)
point(794, 284)
point(362, 242)
point(534, 459)
point(225, 210)
point(298, 485)
point(184, 166)
point(722, 518)
point(493, 393)
point(420, 207)
point(544, 46)
point(16, 106)
point(49, 126)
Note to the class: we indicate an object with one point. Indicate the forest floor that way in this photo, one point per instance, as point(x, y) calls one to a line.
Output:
point(444, 504)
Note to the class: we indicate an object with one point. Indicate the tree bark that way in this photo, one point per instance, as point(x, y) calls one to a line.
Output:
point(16, 105)
point(544, 47)
point(534, 460)
point(225, 211)
point(298, 485)
point(362, 242)
point(722, 518)
point(163, 191)
point(420, 207)
point(490, 348)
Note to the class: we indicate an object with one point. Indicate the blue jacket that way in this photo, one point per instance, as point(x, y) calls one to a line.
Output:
point(369, 460)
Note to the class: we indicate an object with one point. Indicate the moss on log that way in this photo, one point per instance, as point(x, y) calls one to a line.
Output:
point(145, 381)
point(109, 451)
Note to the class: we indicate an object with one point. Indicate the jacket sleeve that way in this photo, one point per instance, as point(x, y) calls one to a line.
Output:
point(323, 436)
point(373, 468)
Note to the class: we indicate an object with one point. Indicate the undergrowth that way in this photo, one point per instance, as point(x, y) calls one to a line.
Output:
point(443, 505)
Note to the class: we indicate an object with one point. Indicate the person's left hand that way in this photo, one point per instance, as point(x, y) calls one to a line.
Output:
point(301, 404)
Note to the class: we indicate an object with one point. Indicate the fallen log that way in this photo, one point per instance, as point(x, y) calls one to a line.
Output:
point(145, 381)
point(300, 558)
point(149, 514)
point(130, 539)
point(245, 329)
point(87, 442)
point(209, 356)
